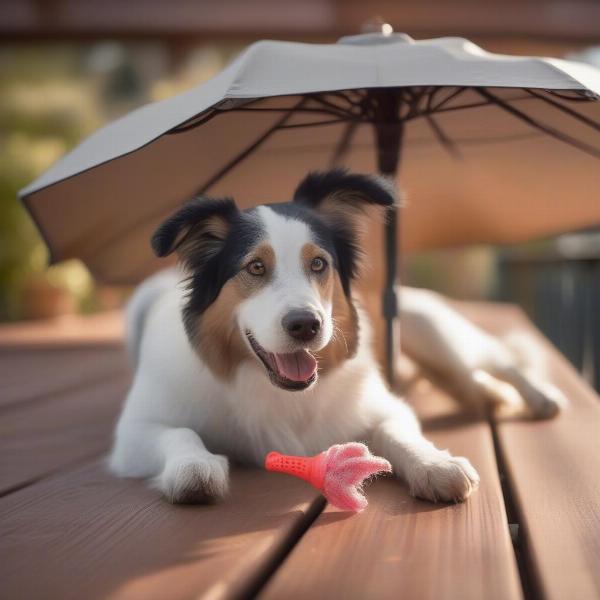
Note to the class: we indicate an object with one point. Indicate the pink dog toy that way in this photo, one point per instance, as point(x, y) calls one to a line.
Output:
point(338, 472)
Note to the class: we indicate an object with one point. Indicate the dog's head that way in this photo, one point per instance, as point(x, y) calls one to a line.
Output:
point(272, 284)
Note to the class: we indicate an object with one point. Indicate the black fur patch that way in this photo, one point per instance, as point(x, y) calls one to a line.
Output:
point(349, 191)
point(318, 186)
point(210, 261)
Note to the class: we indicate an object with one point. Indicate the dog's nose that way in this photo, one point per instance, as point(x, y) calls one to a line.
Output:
point(302, 324)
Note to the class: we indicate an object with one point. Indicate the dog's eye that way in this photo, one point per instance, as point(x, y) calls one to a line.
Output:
point(256, 267)
point(318, 264)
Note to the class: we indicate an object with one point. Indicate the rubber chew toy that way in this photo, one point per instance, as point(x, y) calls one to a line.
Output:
point(338, 472)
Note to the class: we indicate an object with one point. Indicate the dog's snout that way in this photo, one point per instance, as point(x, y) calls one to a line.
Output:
point(302, 325)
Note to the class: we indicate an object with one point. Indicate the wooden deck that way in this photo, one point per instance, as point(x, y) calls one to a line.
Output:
point(70, 530)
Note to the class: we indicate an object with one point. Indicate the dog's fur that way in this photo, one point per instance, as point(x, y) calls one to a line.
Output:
point(213, 379)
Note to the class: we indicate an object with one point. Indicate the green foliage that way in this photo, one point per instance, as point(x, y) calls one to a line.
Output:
point(46, 106)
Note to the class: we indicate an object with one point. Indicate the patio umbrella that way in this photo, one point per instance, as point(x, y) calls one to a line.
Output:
point(499, 148)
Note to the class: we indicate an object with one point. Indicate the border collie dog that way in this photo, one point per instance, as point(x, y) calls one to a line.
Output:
point(260, 343)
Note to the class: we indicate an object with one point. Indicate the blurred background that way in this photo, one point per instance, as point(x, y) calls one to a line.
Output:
point(69, 66)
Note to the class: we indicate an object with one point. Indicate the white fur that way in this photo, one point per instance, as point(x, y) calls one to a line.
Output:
point(289, 289)
point(180, 421)
point(477, 365)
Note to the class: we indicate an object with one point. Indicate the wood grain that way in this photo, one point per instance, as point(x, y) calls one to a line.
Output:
point(30, 374)
point(406, 548)
point(104, 328)
point(44, 437)
point(554, 474)
point(89, 535)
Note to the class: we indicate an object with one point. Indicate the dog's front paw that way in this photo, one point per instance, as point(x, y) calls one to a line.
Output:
point(446, 479)
point(193, 480)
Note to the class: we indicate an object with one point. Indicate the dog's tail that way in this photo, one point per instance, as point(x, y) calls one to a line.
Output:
point(142, 300)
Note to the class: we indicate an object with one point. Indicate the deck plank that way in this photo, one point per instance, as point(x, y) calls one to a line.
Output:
point(99, 329)
point(553, 469)
point(39, 438)
point(30, 374)
point(400, 547)
point(89, 535)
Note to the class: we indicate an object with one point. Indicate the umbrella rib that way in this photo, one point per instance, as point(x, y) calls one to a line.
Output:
point(566, 110)
point(344, 143)
point(196, 122)
point(345, 112)
point(421, 141)
point(578, 98)
point(321, 111)
point(473, 105)
point(442, 138)
point(555, 133)
point(517, 137)
point(244, 153)
point(431, 96)
point(358, 103)
point(457, 92)
point(415, 98)
point(461, 107)
point(316, 123)
point(222, 172)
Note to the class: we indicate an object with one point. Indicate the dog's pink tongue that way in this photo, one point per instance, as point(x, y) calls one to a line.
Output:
point(299, 366)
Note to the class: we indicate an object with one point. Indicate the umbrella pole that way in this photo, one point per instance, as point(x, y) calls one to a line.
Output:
point(389, 131)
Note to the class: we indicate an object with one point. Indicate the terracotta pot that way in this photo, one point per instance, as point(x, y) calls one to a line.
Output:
point(41, 300)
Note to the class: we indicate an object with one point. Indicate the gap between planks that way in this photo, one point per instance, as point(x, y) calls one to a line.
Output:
point(41, 438)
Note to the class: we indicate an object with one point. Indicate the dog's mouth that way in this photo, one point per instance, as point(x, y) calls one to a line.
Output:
point(294, 371)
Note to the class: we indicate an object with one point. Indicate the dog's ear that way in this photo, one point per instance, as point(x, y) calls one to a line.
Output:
point(342, 199)
point(197, 231)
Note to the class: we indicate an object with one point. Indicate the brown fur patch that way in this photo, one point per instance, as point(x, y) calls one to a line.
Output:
point(219, 340)
point(350, 207)
point(209, 235)
point(344, 342)
point(324, 280)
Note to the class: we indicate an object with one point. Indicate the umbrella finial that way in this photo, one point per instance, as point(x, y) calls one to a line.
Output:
point(376, 31)
point(377, 25)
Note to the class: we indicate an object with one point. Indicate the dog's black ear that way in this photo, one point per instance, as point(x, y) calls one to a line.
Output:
point(342, 194)
point(342, 200)
point(197, 231)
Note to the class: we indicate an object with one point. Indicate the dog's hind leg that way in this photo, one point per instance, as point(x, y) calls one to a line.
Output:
point(475, 366)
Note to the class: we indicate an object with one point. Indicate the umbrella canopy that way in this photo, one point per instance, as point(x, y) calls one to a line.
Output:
point(496, 148)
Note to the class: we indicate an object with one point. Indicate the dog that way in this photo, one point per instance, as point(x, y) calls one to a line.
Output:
point(259, 342)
